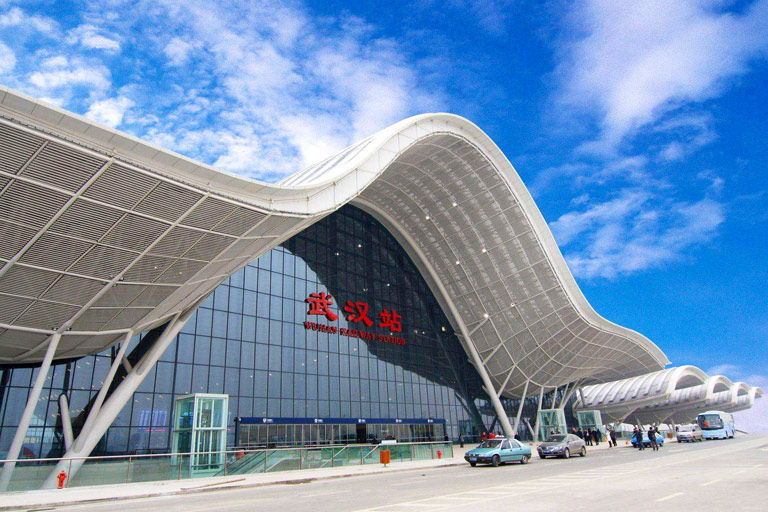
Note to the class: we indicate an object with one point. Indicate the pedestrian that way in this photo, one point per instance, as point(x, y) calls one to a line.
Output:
point(596, 436)
point(492, 436)
point(612, 436)
point(483, 435)
point(517, 437)
point(461, 440)
point(652, 438)
point(637, 435)
point(580, 433)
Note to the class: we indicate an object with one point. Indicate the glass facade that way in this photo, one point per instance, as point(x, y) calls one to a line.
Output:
point(250, 340)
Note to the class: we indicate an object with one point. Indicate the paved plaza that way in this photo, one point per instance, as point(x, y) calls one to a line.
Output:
point(678, 477)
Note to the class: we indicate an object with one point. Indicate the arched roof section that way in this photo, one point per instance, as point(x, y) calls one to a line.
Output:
point(108, 234)
point(718, 383)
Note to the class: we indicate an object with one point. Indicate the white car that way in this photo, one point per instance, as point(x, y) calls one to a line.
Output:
point(689, 433)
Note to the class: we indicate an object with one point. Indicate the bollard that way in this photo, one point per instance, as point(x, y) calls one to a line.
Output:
point(62, 476)
point(439, 454)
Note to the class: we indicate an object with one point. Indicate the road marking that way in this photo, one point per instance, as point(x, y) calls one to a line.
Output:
point(324, 494)
point(710, 483)
point(549, 483)
point(665, 498)
point(758, 465)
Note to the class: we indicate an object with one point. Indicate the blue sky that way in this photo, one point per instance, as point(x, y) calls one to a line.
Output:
point(639, 127)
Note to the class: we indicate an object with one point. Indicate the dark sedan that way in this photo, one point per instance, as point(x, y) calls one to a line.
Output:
point(562, 445)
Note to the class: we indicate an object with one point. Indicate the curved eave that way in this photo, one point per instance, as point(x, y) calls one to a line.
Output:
point(512, 295)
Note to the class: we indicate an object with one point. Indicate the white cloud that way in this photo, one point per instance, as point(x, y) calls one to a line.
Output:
point(7, 59)
point(638, 61)
point(723, 369)
point(284, 90)
point(60, 77)
point(91, 37)
point(110, 111)
point(633, 232)
point(177, 50)
point(15, 17)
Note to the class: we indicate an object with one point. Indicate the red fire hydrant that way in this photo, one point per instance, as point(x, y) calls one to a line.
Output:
point(439, 454)
point(62, 476)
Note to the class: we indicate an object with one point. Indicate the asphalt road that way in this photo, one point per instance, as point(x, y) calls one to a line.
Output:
point(713, 475)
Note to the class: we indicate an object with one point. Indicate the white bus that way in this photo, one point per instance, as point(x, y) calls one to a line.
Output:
point(716, 425)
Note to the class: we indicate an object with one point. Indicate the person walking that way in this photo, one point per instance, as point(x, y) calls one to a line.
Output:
point(639, 438)
point(612, 437)
point(483, 435)
point(596, 436)
point(652, 438)
point(461, 440)
point(580, 433)
point(587, 437)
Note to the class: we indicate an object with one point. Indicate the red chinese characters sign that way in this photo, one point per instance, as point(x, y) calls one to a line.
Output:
point(356, 312)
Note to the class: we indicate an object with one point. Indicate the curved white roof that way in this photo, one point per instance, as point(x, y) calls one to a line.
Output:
point(104, 233)
point(675, 393)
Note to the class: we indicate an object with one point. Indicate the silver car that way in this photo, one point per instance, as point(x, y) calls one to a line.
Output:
point(689, 433)
point(562, 445)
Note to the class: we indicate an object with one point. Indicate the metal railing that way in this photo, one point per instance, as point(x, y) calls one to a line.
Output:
point(116, 469)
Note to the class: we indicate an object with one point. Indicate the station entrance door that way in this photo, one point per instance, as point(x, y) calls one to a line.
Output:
point(361, 432)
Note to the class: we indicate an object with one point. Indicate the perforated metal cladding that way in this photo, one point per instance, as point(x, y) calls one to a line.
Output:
point(177, 242)
point(120, 295)
point(17, 148)
point(103, 262)
point(168, 201)
point(208, 247)
point(50, 314)
point(14, 238)
point(27, 282)
point(87, 220)
point(11, 307)
point(209, 213)
point(181, 271)
point(55, 252)
point(31, 204)
point(500, 263)
point(121, 186)
point(239, 222)
point(73, 290)
point(135, 233)
point(63, 167)
point(127, 318)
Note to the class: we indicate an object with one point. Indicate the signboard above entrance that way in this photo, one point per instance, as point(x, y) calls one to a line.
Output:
point(357, 312)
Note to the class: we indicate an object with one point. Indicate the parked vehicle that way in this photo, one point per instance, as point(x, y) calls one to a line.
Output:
point(647, 441)
point(689, 433)
point(562, 445)
point(498, 451)
point(716, 425)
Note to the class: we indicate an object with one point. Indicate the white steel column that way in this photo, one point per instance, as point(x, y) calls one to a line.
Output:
point(96, 407)
point(29, 410)
point(520, 408)
point(66, 421)
point(87, 441)
point(538, 411)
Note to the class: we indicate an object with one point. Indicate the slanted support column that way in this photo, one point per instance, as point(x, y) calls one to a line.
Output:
point(106, 414)
point(96, 407)
point(29, 410)
point(538, 410)
point(66, 421)
point(520, 408)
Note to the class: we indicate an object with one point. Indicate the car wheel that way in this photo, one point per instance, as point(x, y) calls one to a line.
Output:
point(524, 459)
point(495, 461)
point(542, 456)
point(567, 454)
point(583, 451)
point(473, 464)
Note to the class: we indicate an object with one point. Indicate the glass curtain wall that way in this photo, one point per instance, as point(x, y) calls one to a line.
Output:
point(249, 340)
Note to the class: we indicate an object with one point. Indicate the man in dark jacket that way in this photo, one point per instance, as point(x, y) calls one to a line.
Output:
point(612, 437)
point(639, 438)
point(596, 436)
point(652, 438)
point(580, 434)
